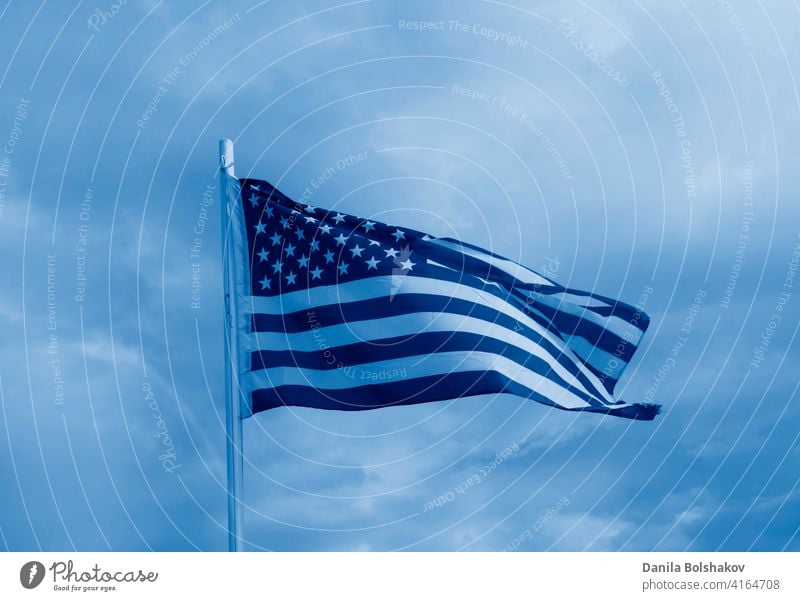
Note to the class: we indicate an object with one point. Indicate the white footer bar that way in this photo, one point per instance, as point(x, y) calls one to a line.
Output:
point(401, 576)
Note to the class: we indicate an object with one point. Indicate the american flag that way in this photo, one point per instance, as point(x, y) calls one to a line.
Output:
point(338, 312)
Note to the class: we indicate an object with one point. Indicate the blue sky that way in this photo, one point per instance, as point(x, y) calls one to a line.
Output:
point(648, 153)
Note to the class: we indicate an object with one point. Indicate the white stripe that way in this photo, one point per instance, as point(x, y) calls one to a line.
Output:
point(515, 270)
point(329, 337)
point(378, 287)
point(435, 264)
point(601, 360)
point(402, 369)
point(581, 300)
point(619, 326)
point(615, 325)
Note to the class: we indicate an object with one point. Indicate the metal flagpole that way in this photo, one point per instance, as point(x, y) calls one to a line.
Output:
point(233, 417)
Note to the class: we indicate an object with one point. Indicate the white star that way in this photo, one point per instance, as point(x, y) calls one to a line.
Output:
point(304, 261)
point(316, 273)
point(342, 268)
point(427, 238)
point(254, 200)
point(268, 209)
point(254, 187)
point(356, 250)
point(310, 208)
point(301, 235)
point(341, 239)
point(265, 284)
point(284, 222)
point(373, 263)
point(374, 243)
point(262, 255)
point(310, 220)
point(329, 257)
point(368, 225)
point(338, 218)
point(291, 278)
point(398, 234)
point(407, 264)
point(277, 266)
point(326, 229)
point(261, 228)
point(315, 245)
point(290, 250)
point(276, 239)
point(391, 253)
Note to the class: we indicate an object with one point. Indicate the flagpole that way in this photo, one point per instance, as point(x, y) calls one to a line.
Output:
point(233, 417)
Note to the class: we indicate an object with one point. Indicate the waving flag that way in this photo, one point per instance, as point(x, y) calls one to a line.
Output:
point(338, 312)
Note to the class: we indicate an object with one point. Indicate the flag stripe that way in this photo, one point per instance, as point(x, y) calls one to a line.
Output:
point(420, 390)
point(404, 304)
point(397, 370)
point(527, 279)
point(379, 315)
point(610, 334)
point(315, 335)
point(512, 270)
point(359, 353)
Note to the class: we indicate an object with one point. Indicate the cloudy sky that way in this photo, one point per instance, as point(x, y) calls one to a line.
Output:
point(646, 153)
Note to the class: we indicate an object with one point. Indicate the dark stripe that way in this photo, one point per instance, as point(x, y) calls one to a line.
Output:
point(404, 304)
point(415, 391)
point(628, 313)
point(608, 382)
point(574, 325)
point(613, 307)
point(550, 318)
point(361, 353)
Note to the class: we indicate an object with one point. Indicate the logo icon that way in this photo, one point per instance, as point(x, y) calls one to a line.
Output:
point(31, 574)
